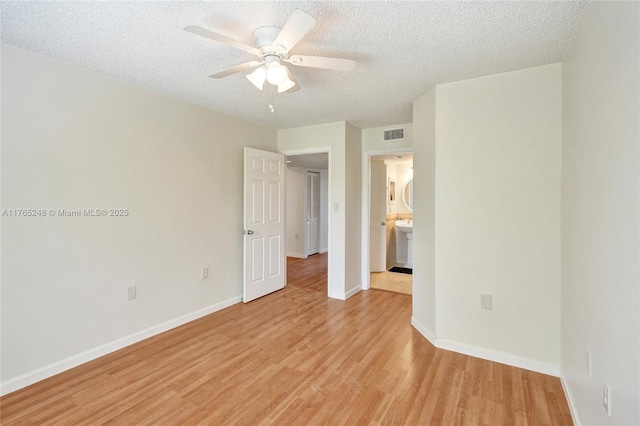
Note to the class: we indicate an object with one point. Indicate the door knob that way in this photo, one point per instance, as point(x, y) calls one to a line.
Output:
point(383, 223)
point(249, 232)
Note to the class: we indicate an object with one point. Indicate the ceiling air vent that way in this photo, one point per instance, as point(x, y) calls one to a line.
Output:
point(393, 134)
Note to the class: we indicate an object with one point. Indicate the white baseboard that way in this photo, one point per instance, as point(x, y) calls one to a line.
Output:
point(298, 255)
point(324, 250)
point(502, 358)
point(572, 406)
point(344, 296)
point(45, 372)
point(423, 330)
point(353, 291)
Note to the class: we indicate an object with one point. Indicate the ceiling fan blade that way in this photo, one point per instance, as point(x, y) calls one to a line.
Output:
point(237, 68)
point(322, 62)
point(222, 39)
point(297, 26)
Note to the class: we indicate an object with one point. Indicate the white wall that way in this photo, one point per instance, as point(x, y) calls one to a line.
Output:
point(296, 184)
point(324, 211)
point(398, 173)
point(498, 144)
point(353, 209)
point(72, 139)
point(331, 136)
point(424, 162)
point(600, 230)
point(497, 216)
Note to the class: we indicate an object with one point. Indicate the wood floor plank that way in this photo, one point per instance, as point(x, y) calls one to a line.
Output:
point(293, 357)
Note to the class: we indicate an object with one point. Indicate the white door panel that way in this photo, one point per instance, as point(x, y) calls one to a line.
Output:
point(378, 217)
point(312, 214)
point(264, 260)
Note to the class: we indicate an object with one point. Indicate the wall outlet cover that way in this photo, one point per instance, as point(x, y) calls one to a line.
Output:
point(486, 301)
point(131, 292)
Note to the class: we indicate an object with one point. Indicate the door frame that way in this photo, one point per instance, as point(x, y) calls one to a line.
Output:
point(366, 197)
point(320, 150)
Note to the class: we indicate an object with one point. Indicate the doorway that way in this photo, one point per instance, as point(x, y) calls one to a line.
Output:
point(387, 236)
point(307, 205)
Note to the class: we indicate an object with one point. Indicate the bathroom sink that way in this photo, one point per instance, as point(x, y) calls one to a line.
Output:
point(405, 226)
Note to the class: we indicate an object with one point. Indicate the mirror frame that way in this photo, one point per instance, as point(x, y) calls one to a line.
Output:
point(404, 194)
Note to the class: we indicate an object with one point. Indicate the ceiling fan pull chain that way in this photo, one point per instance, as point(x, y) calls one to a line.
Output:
point(271, 108)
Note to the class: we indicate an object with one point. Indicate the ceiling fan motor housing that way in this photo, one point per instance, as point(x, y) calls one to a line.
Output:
point(264, 38)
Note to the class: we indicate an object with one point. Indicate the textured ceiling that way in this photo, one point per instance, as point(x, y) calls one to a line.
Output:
point(401, 48)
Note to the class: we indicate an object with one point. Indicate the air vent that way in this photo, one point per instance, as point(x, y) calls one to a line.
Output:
point(393, 134)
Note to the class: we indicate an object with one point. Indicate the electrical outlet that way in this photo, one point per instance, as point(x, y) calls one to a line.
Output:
point(131, 292)
point(297, 236)
point(606, 398)
point(486, 301)
point(205, 273)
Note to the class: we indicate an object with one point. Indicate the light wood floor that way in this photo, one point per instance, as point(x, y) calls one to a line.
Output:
point(294, 357)
point(391, 281)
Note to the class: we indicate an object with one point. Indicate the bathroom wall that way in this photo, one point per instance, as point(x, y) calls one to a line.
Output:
point(404, 173)
point(399, 172)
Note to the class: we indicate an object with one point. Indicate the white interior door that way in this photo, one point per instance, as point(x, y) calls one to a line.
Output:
point(378, 217)
point(312, 213)
point(264, 226)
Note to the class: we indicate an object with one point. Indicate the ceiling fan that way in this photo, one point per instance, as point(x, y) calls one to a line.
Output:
point(272, 46)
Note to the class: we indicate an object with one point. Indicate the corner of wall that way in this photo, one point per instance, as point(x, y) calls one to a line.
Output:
point(570, 400)
point(427, 334)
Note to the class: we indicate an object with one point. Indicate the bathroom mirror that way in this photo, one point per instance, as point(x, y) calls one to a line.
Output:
point(407, 194)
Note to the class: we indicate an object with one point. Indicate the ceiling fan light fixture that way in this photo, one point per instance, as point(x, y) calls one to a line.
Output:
point(285, 85)
point(272, 45)
point(276, 73)
point(257, 77)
